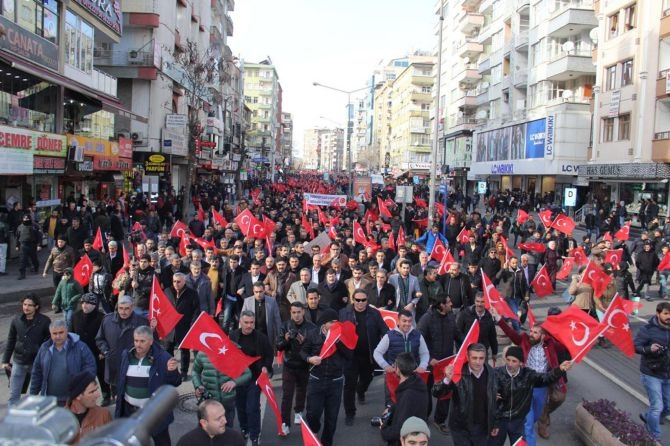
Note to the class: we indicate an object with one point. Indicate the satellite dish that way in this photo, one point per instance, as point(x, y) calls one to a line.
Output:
point(593, 35)
point(568, 46)
point(567, 94)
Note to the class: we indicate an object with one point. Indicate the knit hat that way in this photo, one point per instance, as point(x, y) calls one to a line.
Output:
point(514, 351)
point(328, 315)
point(79, 383)
point(89, 298)
point(412, 425)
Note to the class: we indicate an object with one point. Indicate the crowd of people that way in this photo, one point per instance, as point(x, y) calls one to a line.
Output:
point(283, 292)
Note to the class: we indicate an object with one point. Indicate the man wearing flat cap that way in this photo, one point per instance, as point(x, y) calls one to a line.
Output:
point(83, 394)
point(326, 380)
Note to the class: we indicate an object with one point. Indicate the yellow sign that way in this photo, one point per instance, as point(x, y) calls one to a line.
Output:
point(91, 146)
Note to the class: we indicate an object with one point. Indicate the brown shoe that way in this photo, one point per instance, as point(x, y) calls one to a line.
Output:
point(543, 430)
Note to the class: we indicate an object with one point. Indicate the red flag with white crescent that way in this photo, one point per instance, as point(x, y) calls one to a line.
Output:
point(564, 224)
point(438, 251)
point(619, 331)
point(566, 269)
point(400, 241)
point(82, 271)
point(521, 216)
point(263, 382)
point(308, 437)
point(614, 256)
point(390, 317)
point(382, 208)
point(531, 317)
point(579, 255)
point(532, 247)
point(243, 220)
point(97, 243)
point(493, 299)
point(420, 202)
point(161, 309)
point(624, 233)
point(545, 218)
point(575, 329)
point(541, 283)
point(307, 227)
point(461, 356)
point(178, 229)
point(218, 217)
point(359, 235)
point(447, 260)
point(463, 236)
point(328, 347)
point(392, 245)
point(597, 278)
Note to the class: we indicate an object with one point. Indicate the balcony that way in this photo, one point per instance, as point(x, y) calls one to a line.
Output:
point(228, 24)
point(215, 36)
point(662, 90)
point(470, 5)
point(471, 22)
point(523, 7)
point(570, 66)
point(128, 64)
point(664, 31)
point(521, 40)
point(470, 49)
point(422, 81)
point(660, 147)
point(485, 64)
point(469, 100)
point(482, 96)
point(468, 77)
point(419, 96)
point(571, 21)
point(520, 79)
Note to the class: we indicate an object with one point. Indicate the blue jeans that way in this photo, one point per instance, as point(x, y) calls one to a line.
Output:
point(229, 307)
point(663, 282)
point(248, 403)
point(19, 374)
point(324, 397)
point(514, 306)
point(511, 428)
point(68, 318)
point(536, 408)
point(658, 391)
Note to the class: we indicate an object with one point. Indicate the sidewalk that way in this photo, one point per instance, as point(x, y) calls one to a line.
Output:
point(11, 289)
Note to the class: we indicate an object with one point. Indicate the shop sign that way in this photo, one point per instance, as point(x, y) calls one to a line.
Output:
point(108, 11)
point(90, 146)
point(416, 166)
point(216, 123)
point(85, 166)
point(502, 169)
point(549, 138)
point(49, 144)
point(103, 163)
point(615, 101)
point(570, 197)
point(175, 121)
point(178, 142)
point(122, 149)
point(16, 162)
point(22, 42)
point(48, 165)
point(123, 164)
point(155, 163)
point(630, 170)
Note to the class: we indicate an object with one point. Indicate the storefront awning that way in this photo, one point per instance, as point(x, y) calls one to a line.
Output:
point(108, 103)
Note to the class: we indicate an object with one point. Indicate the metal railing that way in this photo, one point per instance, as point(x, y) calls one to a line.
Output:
point(123, 57)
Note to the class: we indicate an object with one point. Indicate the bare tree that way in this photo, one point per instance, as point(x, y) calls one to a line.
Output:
point(201, 75)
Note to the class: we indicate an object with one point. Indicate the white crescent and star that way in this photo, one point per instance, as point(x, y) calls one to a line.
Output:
point(625, 327)
point(587, 331)
point(245, 220)
point(206, 335)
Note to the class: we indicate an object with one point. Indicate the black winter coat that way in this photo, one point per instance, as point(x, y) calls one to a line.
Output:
point(440, 333)
point(291, 348)
point(25, 338)
point(647, 262)
point(87, 326)
point(487, 328)
point(411, 401)
point(376, 327)
point(516, 393)
point(654, 364)
point(187, 304)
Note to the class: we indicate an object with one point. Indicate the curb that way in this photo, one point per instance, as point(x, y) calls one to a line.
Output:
point(15, 296)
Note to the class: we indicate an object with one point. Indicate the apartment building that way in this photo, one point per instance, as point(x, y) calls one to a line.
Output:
point(631, 126)
point(517, 78)
point(286, 139)
point(401, 123)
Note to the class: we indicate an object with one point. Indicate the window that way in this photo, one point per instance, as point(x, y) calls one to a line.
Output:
point(624, 127)
point(426, 90)
point(608, 129)
point(37, 16)
point(627, 72)
point(613, 25)
point(78, 43)
point(629, 18)
point(610, 77)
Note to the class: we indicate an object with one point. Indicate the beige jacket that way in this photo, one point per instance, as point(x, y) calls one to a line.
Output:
point(583, 293)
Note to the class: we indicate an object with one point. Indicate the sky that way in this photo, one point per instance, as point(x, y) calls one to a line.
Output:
point(337, 43)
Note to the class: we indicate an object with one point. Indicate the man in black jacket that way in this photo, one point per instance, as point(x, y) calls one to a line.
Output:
point(326, 380)
point(292, 335)
point(457, 286)
point(646, 262)
point(27, 332)
point(186, 302)
point(380, 292)
point(487, 325)
point(370, 327)
point(438, 328)
point(252, 342)
point(473, 418)
point(411, 398)
point(333, 292)
point(491, 266)
point(514, 387)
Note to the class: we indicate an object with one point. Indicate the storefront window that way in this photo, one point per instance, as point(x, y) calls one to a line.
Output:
point(78, 43)
point(632, 193)
point(32, 108)
point(37, 16)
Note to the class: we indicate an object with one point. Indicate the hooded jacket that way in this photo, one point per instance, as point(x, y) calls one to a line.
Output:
point(411, 398)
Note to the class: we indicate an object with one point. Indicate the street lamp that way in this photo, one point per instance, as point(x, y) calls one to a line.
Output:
point(436, 124)
point(350, 126)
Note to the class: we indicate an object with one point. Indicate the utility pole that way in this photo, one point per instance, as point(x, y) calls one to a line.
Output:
point(436, 124)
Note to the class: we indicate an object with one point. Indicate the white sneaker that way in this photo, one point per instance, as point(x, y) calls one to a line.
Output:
point(298, 418)
point(285, 429)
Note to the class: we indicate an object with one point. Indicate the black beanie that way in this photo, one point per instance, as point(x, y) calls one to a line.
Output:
point(79, 383)
point(514, 351)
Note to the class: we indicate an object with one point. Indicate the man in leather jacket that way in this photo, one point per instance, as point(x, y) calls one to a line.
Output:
point(514, 388)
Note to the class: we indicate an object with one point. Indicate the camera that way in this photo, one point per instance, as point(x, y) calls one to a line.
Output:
point(384, 419)
point(293, 333)
point(206, 395)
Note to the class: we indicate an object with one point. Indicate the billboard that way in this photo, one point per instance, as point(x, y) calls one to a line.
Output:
point(515, 142)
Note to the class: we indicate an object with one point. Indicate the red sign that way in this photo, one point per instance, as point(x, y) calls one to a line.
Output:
point(112, 163)
point(47, 164)
point(125, 148)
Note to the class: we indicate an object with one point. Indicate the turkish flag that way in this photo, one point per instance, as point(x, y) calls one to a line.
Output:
point(349, 336)
point(126, 259)
point(614, 256)
point(439, 208)
point(390, 318)
point(608, 237)
point(508, 251)
point(521, 216)
point(420, 203)
point(389, 203)
point(334, 335)
point(83, 270)
point(183, 243)
point(257, 229)
point(307, 227)
point(359, 235)
point(492, 298)
point(618, 331)
point(579, 255)
point(422, 222)
point(218, 218)
point(392, 245)
point(545, 218)
point(568, 264)
point(665, 262)
point(531, 317)
point(630, 306)
point(322, 217)
point(308, 437)
point(438, 251)
point(352, 205)
point(162, 310)
point(463, 236)
point(178, 229)
point(564, 224)
point(243, 220)
point(263, 382)
point(401, 237)
point(204, 244)
point(438, 368)
point(382, 208)
point(97, 243)
point(447, 260)
point(201, 212)
point(597, 278)
point(520, 442)
point(205, 335)
point(624, 233)
point(462, 355)
point(541, 283)
point(532, 247)
point(393, 381)
point(575, 329)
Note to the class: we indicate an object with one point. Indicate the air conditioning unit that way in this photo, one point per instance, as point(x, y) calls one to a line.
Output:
point(134, 57)
point(139, 139)
point(122, 135)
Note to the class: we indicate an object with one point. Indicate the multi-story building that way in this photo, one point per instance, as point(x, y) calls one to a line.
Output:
point(631, 126)
point(262, 93)
point(286, 139)
point(333, 157)
point(401, 117)
point(516, 91)
point(311, 151)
